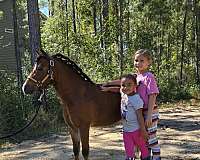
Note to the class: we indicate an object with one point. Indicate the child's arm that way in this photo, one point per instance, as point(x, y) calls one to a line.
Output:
point(111, 89)
point(112, 83)
point(141, 123)
point(151, 103)
point(112, 86)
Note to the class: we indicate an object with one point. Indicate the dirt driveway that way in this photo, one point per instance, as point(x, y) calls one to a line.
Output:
point(179, 132)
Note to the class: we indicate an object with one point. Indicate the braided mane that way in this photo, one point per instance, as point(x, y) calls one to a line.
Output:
point(73, 66)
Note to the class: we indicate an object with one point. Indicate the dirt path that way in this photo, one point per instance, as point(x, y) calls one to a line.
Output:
point(179, 133)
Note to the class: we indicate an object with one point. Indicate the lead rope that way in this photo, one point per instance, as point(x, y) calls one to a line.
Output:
point(37, 105)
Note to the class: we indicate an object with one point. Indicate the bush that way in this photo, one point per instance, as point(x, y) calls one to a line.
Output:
point(10, 105)
point(173, 92)
point(16, 111)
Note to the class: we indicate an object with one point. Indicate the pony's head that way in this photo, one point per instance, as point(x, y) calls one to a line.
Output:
point(41, 75)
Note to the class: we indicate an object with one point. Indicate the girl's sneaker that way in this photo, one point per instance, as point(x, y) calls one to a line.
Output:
point(147, 158)
point(156, 158)
point(129, 158)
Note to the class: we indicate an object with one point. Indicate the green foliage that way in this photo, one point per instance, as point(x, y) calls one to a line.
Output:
point(10, 104)
point(16, 111)
point(172, 92)
point(156, 25)
point(107, 52)
point(194, 90)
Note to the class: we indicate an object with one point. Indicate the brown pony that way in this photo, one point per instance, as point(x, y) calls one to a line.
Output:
point(84, 104)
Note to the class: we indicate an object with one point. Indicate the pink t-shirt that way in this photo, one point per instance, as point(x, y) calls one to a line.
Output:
point(146, 85)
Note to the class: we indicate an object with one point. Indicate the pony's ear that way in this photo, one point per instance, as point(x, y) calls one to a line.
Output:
point(38, 52)
point(41, 52)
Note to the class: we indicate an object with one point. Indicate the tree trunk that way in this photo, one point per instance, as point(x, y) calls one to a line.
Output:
point(73, 16)
point(94, 16)
point(101, 27)
point(168, 57)
point(128, 29)
point(17, 49)
point(116, 14)
point(105, 22)
point(197, 42)
point(121, 50)
point(67, 27)
point(34, 28)
point(183, 43)
point(51, 4)
point(159, 45)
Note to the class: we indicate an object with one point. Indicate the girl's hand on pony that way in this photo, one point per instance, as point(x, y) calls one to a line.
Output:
point(105, 88)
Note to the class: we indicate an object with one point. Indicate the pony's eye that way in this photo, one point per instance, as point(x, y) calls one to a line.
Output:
point(39, 68)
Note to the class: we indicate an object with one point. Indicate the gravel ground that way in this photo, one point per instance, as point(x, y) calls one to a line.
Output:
point(179, 133)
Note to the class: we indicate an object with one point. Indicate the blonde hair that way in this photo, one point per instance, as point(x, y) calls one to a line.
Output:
point(144, 52)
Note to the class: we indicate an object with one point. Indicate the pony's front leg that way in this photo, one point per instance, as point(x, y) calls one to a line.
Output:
point(84, 134)
point(76, 142)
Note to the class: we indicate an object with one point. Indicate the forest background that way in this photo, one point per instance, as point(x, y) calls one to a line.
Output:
point(101, 37)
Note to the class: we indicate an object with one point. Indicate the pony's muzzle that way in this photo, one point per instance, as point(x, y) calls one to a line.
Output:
point(27, 89)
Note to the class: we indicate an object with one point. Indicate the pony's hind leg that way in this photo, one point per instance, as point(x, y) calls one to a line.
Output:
point(84, 134)
point(76, 142)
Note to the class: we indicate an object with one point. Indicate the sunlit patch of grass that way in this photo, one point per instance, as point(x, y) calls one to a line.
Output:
point(181, 103)
point(166, 105)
